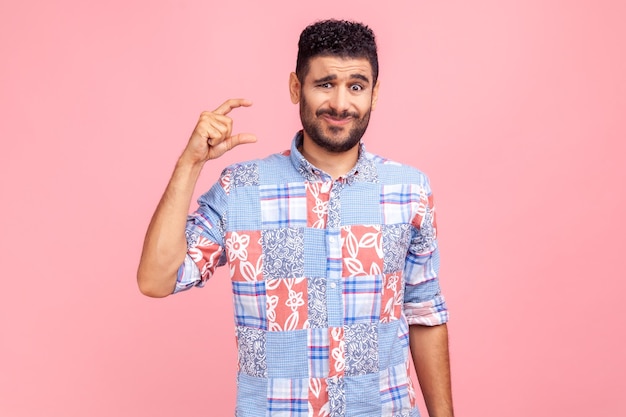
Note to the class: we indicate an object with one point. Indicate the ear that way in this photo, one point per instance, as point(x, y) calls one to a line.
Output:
point(294, 88)
point(375, 94)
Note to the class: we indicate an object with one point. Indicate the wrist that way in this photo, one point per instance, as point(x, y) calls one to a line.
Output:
point(187, 163)
point(186, 172)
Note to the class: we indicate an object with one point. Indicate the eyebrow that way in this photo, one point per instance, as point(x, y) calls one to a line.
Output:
point(360, 77)
point(334, 77)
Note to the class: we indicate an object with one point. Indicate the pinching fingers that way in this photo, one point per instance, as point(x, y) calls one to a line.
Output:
point(231, 104)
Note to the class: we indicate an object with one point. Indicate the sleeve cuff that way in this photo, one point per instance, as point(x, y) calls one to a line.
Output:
point(427, 313)
point(188, 276)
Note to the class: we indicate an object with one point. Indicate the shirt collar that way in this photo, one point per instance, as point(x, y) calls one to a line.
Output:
point(312, 173)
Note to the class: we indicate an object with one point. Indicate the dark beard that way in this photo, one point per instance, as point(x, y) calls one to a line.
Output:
point(314, 129)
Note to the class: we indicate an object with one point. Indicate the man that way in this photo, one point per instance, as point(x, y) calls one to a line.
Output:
point(332, 250)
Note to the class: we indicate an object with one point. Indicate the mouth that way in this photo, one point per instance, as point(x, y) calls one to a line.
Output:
point(336, 121)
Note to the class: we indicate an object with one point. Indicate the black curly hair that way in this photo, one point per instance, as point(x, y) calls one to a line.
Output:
point(341, 38)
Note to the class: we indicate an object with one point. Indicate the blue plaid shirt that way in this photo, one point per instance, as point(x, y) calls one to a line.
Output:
point(327, 275)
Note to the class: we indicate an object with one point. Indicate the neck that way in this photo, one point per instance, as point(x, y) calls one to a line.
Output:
point(334, 164)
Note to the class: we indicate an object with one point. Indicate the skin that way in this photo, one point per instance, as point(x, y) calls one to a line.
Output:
point(336, 98)
point(429, 350)
point(165, 245)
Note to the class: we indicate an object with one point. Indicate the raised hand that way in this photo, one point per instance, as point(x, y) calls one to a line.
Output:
point(212, 136)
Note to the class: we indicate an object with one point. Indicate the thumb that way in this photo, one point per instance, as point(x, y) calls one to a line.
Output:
point(242, 138)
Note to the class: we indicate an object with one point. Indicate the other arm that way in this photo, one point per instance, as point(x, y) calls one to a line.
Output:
point(427, 312)
point(429, 349)
point(165, 245)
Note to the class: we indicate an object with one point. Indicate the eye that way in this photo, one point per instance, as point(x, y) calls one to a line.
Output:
point(325, 85)
point(356, 87)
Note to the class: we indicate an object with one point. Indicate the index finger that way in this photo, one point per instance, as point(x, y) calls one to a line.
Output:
point(232, 103)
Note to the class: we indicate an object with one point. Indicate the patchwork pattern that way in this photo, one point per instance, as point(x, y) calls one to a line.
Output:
point(362, 250)
point(361, 349)
point(403, 333)
point(248, 398)
point(362, 299)
point(427, 313)
point(251, 351)
point(226, 179)
point(426, 225)
point(394, 393)
point(337, 350)
point(244, 253)
point(392, 298)
point(363, 395)
point(403, 203)
point(336, 396)
point(326, 277)
point(410, 388)
point(418, 269)
point(286, 354)
point(287, 304)
point(366, 172)
point(319, 405)
point(283, 251)
point(334, 206)
point(317, 196)
point(318, 349)
point(249, 301)
point(283, 205)
point(335, 259)
point(396, 240)
point(421, 208)
point(245, 175)
point(391, 348)
point(206, 254)
point(396, 201)
point(288, 397)
point(318, 316)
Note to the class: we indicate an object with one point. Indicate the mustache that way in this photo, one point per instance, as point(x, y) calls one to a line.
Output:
point(333, 113)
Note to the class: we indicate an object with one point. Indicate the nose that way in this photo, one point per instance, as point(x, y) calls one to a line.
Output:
point(339, 101)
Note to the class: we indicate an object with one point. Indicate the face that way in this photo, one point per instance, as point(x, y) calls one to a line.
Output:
point(336, 98)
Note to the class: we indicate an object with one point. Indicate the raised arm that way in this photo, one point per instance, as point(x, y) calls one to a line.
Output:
point(165, 245)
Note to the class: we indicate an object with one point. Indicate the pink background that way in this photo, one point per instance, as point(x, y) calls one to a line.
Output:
point(515, 109)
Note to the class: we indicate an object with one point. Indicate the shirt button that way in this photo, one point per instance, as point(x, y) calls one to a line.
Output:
point(331, 239)
point(333, 285)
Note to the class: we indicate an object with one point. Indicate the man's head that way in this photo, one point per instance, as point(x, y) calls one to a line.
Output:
point(335, 83)
point(338, 38)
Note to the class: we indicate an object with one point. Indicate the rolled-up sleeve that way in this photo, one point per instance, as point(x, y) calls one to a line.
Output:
point(423, 302)
point(205, 237)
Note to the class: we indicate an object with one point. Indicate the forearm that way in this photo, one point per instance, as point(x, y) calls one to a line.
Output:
point(429, 349)
point(165, 245)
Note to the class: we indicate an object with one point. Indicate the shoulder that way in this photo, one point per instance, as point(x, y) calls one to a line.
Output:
point(393, 172)
point(252, 172)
